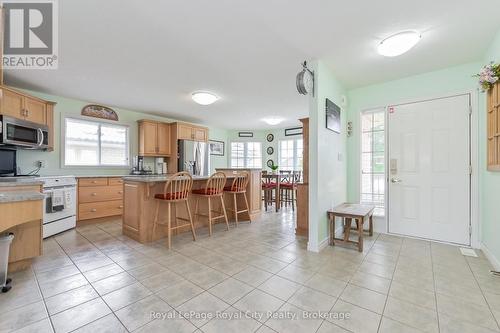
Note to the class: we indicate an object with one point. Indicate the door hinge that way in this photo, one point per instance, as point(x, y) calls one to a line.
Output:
point(470, 109)
point(470, 169)
point(470, 230)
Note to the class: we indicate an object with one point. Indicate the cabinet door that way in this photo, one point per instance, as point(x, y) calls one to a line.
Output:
point(163, 137)
point(200, 134)
point(131, 212)
point(11, 104)
point(147, 135)
point(185, 132)
point(35, 111)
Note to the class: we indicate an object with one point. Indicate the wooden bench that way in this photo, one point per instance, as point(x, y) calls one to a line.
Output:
point(349, 212)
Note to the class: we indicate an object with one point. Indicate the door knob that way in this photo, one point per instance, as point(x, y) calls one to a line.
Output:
point(396, 180)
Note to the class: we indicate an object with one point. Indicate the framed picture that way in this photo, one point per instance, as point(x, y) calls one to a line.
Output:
point(293, 131)
point(332, 116)
point(270, 150)
point(270, 137)
point(216, 147)
point(245, 134)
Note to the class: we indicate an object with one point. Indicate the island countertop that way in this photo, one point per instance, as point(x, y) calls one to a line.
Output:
point(161, 179)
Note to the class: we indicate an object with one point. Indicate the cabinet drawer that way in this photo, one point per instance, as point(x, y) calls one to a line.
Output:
point(115, 181)
point(100, 193)
point(95, 210)
point(93, 181)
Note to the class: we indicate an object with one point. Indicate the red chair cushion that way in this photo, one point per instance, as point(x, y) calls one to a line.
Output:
point(205, 191)
point(171, 196)
point(233, 189)
point(268, 185)
point(288, 185)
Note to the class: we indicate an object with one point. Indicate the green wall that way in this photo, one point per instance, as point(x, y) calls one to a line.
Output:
point(490, 181)
point(327, 152)
point(72, 107)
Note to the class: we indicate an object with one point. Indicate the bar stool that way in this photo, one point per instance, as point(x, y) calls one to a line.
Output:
point(176, 190)
point(239, 186)
point(288, 188)
point(213, 189)
point(268, 187)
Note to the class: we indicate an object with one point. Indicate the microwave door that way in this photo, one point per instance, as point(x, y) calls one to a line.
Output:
point(20, 135)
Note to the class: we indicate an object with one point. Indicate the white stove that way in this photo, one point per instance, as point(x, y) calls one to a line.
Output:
point(59, 204)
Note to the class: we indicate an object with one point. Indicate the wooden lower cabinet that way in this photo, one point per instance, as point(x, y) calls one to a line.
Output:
point(302, 227)
point(132, 209)
point(24, 220)
point(99, 197)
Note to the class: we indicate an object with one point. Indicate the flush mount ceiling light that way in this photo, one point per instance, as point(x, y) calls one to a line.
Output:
point(272, 120)
point(204, 97)
point(399, 43)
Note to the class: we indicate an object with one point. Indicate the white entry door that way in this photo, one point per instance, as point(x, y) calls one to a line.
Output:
point(429, 169)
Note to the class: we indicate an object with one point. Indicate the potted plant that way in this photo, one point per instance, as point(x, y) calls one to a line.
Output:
point(274, 167)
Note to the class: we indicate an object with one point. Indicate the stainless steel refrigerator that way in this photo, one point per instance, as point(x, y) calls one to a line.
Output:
point(194, 157)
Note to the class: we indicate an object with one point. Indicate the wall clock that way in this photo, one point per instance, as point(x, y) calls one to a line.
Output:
point(270, 150)
point(270, 163)
point(305, 80)
point(270, 138)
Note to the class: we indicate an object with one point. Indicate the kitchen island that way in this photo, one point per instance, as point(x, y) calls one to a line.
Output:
point(139, 204)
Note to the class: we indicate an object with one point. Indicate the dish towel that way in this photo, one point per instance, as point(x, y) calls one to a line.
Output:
point(67, 199)
point(57, 200)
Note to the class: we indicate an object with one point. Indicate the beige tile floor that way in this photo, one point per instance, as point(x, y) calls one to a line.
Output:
point(255, 278)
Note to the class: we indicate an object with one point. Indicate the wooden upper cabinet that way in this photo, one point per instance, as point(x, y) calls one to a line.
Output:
point(191, 132)
point(185, 132)
point(493, 128)
point(154, 138)
point(163, 138)
point(35, 110)
point(12, 104)
point(18, 105)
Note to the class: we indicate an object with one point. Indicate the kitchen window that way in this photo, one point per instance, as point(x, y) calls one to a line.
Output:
point(92, 143)
point(246, 155)
point(290, 155)
point(373, 159)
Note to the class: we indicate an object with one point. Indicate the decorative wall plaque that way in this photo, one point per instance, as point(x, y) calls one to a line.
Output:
point(99, 111)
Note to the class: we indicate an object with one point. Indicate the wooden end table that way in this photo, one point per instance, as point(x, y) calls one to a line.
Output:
point(349, 212)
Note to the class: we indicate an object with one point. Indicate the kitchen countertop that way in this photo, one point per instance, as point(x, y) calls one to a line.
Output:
point(12, 181)
point(20, 196)
point(159, 179)
point(101, 176)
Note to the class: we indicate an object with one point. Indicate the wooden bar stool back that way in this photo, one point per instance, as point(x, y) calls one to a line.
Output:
point(268, 187)
point(214, 189)
point(239, 186)
point(176, 190)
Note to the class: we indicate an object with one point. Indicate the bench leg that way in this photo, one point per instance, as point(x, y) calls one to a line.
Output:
point(360, 235)
point(371, 225)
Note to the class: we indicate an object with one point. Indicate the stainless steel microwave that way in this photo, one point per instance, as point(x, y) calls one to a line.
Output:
point(23, 134)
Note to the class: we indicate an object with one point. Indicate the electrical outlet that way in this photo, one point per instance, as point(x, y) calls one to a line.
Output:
point(41, 164)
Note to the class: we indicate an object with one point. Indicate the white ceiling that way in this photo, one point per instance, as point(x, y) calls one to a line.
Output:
point(150, 55)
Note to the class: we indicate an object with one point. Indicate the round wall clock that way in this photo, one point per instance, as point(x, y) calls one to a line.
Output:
point(270, 150)
point(270, 163)
point(270, 138)
point(305, 81)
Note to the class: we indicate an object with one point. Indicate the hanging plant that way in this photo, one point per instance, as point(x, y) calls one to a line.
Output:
point(488, 76)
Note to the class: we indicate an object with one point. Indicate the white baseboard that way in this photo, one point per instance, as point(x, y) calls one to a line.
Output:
point(491, 258)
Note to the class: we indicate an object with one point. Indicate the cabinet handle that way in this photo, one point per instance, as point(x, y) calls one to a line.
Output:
point(94, 182)
point(94, 194)
point(121, 207)
point(120, 192)
point(93, 210)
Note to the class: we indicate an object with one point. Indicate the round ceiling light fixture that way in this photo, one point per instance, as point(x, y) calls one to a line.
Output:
point(399, 43)
point(204, 97)
point(273, 121)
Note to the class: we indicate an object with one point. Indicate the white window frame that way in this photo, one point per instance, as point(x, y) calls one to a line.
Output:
point(245, 154)
point(379, 211)
point(100, 122)
point(295, 155)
